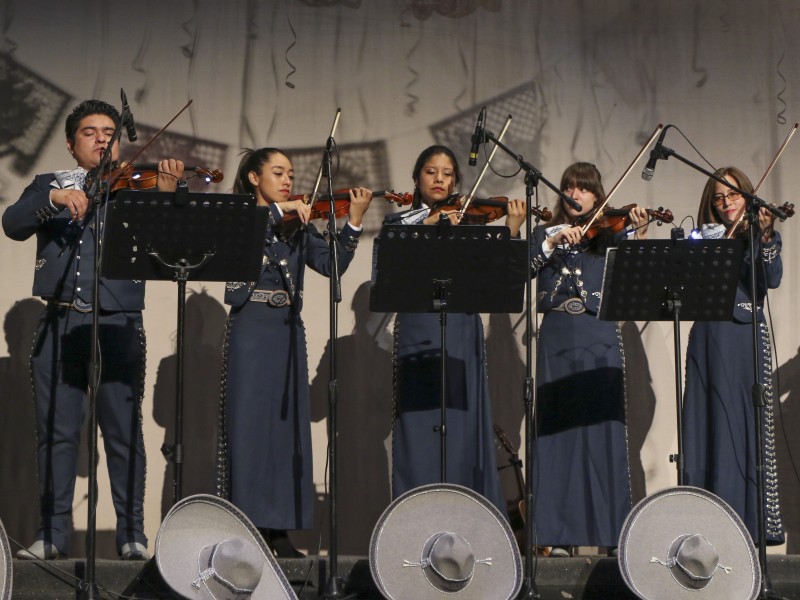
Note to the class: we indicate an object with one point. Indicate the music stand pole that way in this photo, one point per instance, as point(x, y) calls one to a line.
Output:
point(673, 305)
point(174, 452)
point(95, 193)
point(532, 178)
point(529, 589)
point(440, 305)
point(334, 588)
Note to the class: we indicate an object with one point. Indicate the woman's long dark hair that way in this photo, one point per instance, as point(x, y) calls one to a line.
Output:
point(581, 175)
point(252, 161)
point(424, 157)
point(707, 213)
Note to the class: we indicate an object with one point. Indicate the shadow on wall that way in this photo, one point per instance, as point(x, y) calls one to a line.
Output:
point(787, 443)
point(506, 371)
point(641, 404)
point(203, 339)
point(364, 416)
point(19, 502)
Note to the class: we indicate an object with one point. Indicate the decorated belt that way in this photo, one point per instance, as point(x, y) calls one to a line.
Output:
point(573, 306)
point(275, 298)
point(77, 304)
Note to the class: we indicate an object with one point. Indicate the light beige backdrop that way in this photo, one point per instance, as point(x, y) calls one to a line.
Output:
point(583, 80)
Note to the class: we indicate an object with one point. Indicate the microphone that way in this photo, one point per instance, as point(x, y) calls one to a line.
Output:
point(127, 117)
point(572, 202)
point(655, 154)
point(477, 139)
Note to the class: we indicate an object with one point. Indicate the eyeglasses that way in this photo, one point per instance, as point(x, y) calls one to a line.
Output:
point(730, 197)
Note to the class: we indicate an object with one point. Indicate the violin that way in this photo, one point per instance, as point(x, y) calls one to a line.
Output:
point(321, 207)
point(485, 210)
point(144, 176)
point(737, 229)
point(613, 220)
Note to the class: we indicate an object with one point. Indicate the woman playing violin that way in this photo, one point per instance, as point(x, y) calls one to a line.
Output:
point(582, 482)
point(719, 424)
point(471, 453)
point(265, 390)
point(434, 184)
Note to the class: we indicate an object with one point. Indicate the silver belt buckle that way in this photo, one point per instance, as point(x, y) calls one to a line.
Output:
point(275, 298)
point(574, 306)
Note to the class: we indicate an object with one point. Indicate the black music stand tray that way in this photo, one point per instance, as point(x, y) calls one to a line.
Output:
point(672, 280)
point(180, 237)
point(443, 268)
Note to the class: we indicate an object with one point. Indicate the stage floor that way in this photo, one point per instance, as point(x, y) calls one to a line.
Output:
point(587, 578)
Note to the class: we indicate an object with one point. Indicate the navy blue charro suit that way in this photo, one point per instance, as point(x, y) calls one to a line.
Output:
point(59, 364)
point(267, 429)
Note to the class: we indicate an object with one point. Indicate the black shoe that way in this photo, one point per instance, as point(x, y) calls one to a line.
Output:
point(280, 544)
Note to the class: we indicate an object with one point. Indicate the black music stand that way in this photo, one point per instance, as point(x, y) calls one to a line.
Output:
point(442, 268)
point(672, 280)
point(181, 236)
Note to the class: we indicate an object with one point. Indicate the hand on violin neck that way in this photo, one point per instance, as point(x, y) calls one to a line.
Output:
point(766, 223)
point(516, 216)
point(360, 199)
point(170, 170)
point(640, 220)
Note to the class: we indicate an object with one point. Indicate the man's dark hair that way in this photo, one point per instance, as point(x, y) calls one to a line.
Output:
point(84, 109)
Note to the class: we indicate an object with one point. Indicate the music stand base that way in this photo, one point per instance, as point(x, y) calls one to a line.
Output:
point(334, 590)
point(528, 591)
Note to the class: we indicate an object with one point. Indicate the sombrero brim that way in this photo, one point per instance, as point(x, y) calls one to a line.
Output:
point(203, 520)
point(658, 520)
point(411, 519)
point(6, 565)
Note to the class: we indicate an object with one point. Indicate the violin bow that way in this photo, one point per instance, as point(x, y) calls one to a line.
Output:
point(143, 148)
point(475, 185)
point(156, 134)
point(313, 194)
point(599, 210)
point(766, 174)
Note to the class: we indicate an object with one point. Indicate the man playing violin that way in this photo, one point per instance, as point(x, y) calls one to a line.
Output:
point(56, 209)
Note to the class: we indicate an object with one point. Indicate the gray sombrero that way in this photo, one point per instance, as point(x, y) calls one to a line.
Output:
point(443, 539)
point(208, 549)
point(686, 543)
point(6, 566)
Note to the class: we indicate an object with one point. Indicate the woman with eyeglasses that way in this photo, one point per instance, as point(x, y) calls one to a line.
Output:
point(718, 417)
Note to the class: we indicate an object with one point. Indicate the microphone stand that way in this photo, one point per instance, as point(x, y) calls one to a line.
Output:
point(334, 587)
point(532, 178)
point(754, 203)
point(96, 193)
